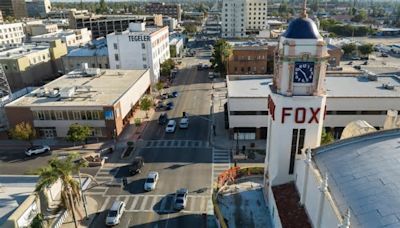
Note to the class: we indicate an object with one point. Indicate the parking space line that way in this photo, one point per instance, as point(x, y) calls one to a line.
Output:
point(103, 207)
point(143, 205)
point(135, 199)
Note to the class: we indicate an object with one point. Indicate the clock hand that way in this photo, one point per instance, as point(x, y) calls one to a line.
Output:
point(303, 72)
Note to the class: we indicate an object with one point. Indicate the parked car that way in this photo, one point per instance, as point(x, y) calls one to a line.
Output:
point(350, 63)
point(163, 119)
point(161, 107)
point(211, 75)
point(180, 199)
point(170, 105)
point(355, 58)
point(205, 66)
point(37, 150)
point(385, 55)
point(174, 94)
point(171, 126)
point(115, 213)
point(200, 66)
point(151, 181)
point(357, 67)
point(136, 165)
point(365, 63)
point(184, 122)
point(364, 58)
point(165, 96)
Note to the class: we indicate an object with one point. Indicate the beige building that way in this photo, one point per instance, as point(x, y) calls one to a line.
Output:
point(102, 99)
point(39, 28)
point(30, 65)
point(167, 9)
point(11, 35)
point(95, 54)
point(71, 37)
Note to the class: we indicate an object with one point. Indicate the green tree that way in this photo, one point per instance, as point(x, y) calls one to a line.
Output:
point(190, 28)
point(326, 137)
point(145, 104)
point(360, 16)
point(38, 221)
point(23, 131)
point(63, 170)
point(102, 8)
point(159, 86)
point(366, 49)
point(166, 67)
point(349, 49)
point(78, 133)
point(220, 55)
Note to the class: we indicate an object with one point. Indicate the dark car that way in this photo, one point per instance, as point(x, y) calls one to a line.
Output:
point(384, 55)
point(200, 67)
point(174, 94)
point(350, 63)
point(365, 63)
point(163, 119)
point(357, 67)
point(165, 96)
point(136, 166)
point(169, 105)
point(160, 107)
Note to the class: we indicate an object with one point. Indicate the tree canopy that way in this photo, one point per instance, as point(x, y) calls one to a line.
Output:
point(166, 67)
point(145, 104)
point(222, 51)
point(349, 49)
point(366, 49)
point(78, 133)
point(23, 131)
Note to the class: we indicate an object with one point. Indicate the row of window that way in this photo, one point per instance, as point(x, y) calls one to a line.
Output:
point(249, 57)
point(11, 29)
point(249, 70)
point(248, 113)
point(67, 115)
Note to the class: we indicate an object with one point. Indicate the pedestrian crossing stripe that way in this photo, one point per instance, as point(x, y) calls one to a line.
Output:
point(175, 144)
point(159, 203)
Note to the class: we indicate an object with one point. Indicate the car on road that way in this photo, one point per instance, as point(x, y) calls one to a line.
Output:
point(151, 181)
point(355, 58)
point(200, 66)
point(384, 55)
point(184, 122)
point(37, 150)
point(160, 107)
point(211, 75)
point(163, 119)
point(174, 94)
point(171, 126)
point(180, 199)
point(357, 67)
point(205, 66)
point(136, 165)
point(170, 105)
point(115, 213)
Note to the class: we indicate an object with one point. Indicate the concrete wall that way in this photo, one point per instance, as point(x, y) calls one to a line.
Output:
point(74, 62)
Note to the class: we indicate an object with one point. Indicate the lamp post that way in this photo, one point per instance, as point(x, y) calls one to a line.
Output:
point(83, 197)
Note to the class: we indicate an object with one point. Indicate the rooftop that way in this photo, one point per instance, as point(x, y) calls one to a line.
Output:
point(93, 48)
point(147, 31)
point(336, 86)
point(18, 52)
point(260, 43)
point(14, 191)
point(102, 89)
point(364, 176)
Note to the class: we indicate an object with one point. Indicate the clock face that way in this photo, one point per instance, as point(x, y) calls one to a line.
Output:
point(303, 72)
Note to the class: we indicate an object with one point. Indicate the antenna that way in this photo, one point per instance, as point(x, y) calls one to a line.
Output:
point(304, 11)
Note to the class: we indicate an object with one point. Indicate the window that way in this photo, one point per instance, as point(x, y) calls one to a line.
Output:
point(59, 115)
point(96, 115)
point(83, 115)
point(76, 115)
point(297, 145)
point(40, 115)
point(143, 46)
point(115, 46)
point(52, 115)
point(116, 57)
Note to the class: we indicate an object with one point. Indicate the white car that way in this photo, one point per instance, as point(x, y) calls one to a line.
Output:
point(184, 122)
point(170, 128)
point(211, 75)
point(180, 199)
point(151, 181)
point(115, 213)
point(37, 150)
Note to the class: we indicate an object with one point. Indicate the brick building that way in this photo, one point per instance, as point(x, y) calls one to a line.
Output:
point(167, 9)
point(251, 58)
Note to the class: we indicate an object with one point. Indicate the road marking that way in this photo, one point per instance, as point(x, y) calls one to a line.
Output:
point(143, 205)
point(135, 199)
point(103, 207)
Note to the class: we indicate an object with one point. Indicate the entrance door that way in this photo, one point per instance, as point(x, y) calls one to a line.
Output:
point(48, 133)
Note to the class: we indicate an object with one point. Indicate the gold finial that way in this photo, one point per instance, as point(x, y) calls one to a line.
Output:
point(304, 11)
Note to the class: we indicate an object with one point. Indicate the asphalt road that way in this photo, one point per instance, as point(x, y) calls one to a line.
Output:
point(182, 159)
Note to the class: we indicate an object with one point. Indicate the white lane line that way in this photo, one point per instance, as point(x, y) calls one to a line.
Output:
point(135, 199)
point(163, 203)
point(103, 207)
point(144, 202)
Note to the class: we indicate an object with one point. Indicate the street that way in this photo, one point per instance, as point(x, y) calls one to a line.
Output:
point(183, 160)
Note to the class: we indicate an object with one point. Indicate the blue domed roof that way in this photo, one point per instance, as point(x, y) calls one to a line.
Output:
point(302, 28)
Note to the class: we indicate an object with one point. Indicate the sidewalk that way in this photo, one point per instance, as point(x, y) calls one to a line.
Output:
point(92, 209)
point(221, 139)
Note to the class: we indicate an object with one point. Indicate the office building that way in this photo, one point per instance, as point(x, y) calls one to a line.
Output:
point(243, 18)
point(13, 8)
point(95, 54)
point(168, 9)
point(38, 8)
point(150, 46)
point(31, 65)
point(101, 99)
point(11, 35)
point(251, 57)
point(36, 29)
point(101, 25)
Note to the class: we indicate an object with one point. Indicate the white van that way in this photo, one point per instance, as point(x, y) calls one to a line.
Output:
point(184, 123)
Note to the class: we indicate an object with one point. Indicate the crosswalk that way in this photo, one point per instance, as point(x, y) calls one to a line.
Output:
point(175, 144)
point(106, 174)
point(221, 162)
point(158, 203)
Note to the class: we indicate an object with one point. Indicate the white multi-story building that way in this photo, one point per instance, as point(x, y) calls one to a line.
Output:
point(139, 48)
point(11, 35)
point(241, 18)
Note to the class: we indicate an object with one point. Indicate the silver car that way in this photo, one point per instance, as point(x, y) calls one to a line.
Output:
point(180, 199)
point(115, 213)
point(37, 150)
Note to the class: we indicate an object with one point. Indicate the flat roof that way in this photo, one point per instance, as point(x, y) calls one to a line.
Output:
point(363, 176)
point(14, 190)
point(93, 48)
point(101, 90)
point(147, 31)
point(18, 52)
point(336, 86)
point(249, 87)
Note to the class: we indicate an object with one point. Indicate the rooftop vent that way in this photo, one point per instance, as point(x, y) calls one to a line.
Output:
point(372, 77)
point(67, 92)
point(388, 86)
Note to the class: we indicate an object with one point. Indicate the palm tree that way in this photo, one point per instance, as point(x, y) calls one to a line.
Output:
point(63, 170)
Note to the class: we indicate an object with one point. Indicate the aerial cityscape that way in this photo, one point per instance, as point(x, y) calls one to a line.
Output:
point(209, 113)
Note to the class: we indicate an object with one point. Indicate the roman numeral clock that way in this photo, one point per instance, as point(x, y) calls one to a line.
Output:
point(303, 72)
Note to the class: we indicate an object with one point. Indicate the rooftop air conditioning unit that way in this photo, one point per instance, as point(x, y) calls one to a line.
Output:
point(372, 77)
point(388, 86)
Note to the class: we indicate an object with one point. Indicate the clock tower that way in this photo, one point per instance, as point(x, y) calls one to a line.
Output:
point(297, 101)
